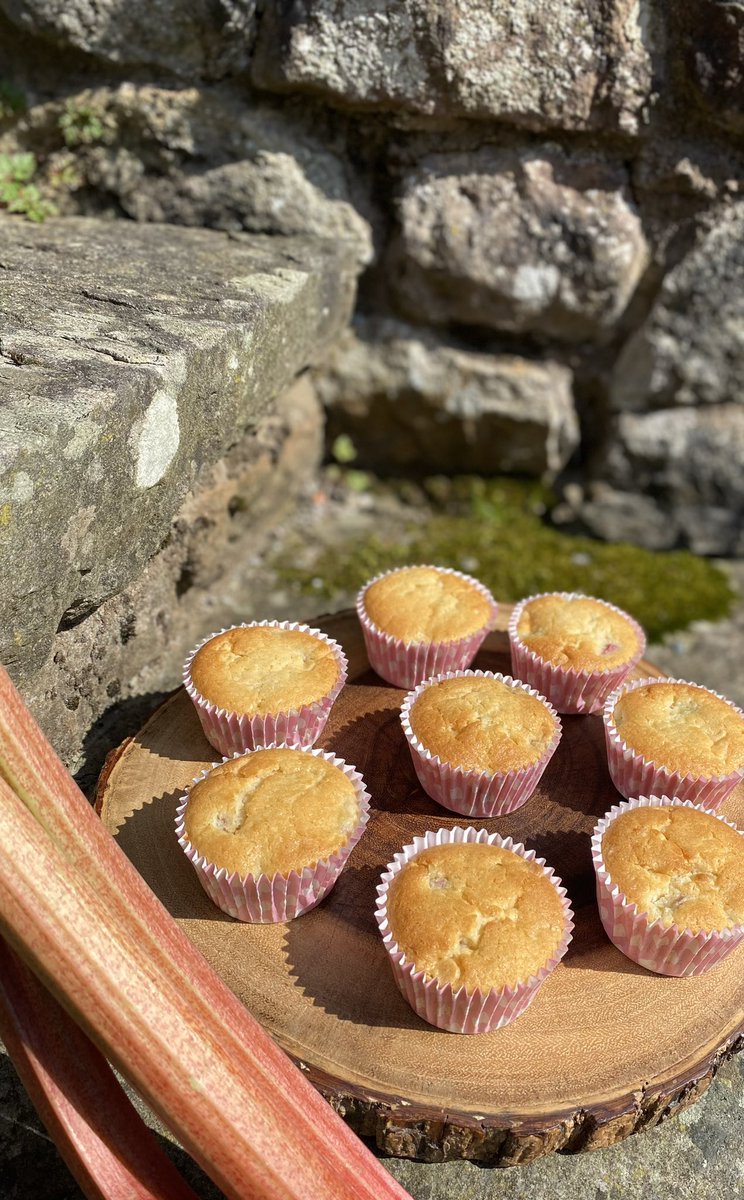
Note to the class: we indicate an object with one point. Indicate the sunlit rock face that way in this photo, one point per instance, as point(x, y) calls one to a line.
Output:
point(522, 241)
point(570, 64)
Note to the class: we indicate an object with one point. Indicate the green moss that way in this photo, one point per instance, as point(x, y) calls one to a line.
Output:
point(495, 530)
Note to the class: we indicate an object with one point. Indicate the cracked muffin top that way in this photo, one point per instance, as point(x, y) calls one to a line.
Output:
point(426, 604)
point(482, 724)
point(475, 914)
point(681, 727)
point(271, 811)
point(259, 669)
point(682, 866)
point(578, 632)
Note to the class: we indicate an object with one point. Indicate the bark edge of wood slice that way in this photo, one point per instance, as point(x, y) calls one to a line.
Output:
point(606, 1049)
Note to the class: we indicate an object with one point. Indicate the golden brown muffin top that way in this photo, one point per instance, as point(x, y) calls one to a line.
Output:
point(582, 633)
point(482, 724)
point(475, 914)
point(272, 810)
point(424, 604)
point(682, 728)
point(682, 866)
point(260, 669)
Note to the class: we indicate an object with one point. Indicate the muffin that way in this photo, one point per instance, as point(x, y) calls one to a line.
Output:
point(270, 681)
point(666, 736)
point(269, 831)
point(480, 742)
point(473, 925)
point(421, 621)
point(574, 649)
point(670, 884)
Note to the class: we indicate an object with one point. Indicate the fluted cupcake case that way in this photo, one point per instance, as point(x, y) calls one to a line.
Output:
point(634, 775)
point(570, 691)
point(232, 732)
point(461, 1011)
point(470, 792)
point(667, 950)
point(266, 899)
point(408, 665)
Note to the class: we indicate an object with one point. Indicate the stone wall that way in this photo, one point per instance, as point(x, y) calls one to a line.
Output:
point(545, 198)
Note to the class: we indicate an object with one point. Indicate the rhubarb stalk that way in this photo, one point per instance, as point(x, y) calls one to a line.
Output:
point(104, 1142)
point(246, 1114)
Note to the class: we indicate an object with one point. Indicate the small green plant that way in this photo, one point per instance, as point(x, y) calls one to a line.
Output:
point(343, 449)
point(12, 101)
point(18, 192)
point(82, 124)
point(62, 173)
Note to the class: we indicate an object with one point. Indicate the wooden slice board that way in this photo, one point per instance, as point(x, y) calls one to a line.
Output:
point(606, 1048)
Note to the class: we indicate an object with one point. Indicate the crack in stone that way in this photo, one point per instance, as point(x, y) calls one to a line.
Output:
point(103, 298)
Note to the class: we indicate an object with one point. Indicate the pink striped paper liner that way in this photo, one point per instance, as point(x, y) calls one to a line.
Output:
point(569, 690)
point(461, 1011)
point(231, 732)
point(407, 665)
point(470, 792)
point(267, 899)
point(667, 950)
point(634, 775)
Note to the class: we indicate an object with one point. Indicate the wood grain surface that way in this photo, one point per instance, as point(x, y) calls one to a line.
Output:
point(606, 1048)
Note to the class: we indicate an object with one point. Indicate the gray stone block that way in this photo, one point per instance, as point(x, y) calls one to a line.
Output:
point(674, 477)
point(413, 402)
point(672, 469)
point(530, 240)
point(132, 357)
point(571, 64)
point(690, 349)
point(208, 38)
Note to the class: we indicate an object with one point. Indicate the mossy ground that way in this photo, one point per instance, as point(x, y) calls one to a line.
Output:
point(497, 530)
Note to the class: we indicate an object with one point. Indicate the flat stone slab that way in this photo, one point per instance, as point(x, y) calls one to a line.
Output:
point(131, 357)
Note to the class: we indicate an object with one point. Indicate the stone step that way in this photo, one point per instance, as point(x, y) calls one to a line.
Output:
point(140, 367)
point(131, 358)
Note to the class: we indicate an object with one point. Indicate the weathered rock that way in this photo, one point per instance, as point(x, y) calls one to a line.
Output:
point(708, 44)
point(132, 357)
point(529, 241)
point(690, 349)
point(203, 38)
point(572, 64)
point(674, 476)
point(673, 469)
point(412, 402)
point(676, 182)
point(104, 674)
point(202, 156)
